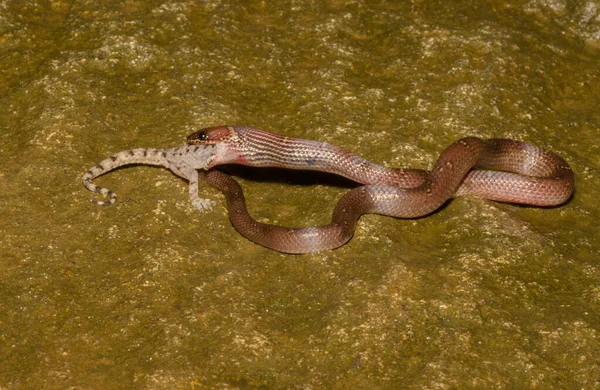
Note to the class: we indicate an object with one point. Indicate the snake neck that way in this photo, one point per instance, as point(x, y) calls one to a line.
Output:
point(259, 148)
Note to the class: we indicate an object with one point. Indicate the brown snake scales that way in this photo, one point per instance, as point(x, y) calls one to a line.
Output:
point(497, 169)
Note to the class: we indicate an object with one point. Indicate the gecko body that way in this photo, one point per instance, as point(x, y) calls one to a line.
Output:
point(184, 161)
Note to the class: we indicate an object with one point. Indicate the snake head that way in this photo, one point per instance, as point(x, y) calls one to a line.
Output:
point(210, 135)
point(225, 140)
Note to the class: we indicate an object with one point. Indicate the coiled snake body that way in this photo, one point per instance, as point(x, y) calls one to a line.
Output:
point(498, 169)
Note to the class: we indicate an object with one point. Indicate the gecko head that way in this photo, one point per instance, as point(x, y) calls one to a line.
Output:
point(210, 135)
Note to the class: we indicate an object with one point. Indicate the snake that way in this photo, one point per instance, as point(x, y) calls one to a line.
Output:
point(498, 169)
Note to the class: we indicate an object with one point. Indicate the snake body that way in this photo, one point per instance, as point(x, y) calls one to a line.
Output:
point(498, 169)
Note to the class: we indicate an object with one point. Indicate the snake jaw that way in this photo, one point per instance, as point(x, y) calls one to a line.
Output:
point(225, 140)
point(209, 163)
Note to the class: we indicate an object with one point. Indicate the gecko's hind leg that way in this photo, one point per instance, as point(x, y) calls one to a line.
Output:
point(199, 203)
point(191, 174)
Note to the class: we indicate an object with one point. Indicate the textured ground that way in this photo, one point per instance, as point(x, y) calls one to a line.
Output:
point(149, 293)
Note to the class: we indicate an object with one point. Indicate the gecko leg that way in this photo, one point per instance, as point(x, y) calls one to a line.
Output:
point(191, 175)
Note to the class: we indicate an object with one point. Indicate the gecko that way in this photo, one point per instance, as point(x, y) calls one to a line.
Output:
point(184, 161)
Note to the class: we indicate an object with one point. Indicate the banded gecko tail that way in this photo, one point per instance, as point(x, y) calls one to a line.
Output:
point(148, 156)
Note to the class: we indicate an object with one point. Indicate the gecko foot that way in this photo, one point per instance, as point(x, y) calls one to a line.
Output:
point(203, 205)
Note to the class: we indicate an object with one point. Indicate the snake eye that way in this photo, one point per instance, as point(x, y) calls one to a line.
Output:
point(209, 136)
point(199, 137)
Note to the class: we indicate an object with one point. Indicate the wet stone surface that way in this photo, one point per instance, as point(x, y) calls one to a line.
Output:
point(150, 293)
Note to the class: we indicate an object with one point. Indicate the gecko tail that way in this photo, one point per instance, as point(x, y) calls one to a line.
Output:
point(105, 192)
point(87, 182)
point(134, 156)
